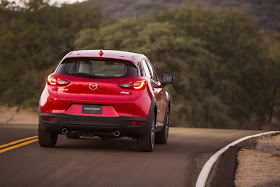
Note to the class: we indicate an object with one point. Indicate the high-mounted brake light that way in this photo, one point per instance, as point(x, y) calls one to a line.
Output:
point(57, 81)
point(137, 85)
point(101, 52)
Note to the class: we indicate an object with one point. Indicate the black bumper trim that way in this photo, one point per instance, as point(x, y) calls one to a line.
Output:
point(91, 117)
point(92, 124)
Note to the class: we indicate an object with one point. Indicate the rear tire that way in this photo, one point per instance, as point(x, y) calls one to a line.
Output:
point(161, 137)
point(46, 139)
point(146, 143)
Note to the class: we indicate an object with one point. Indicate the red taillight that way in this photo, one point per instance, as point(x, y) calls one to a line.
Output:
point(62, 82)
point(126, 85)
point(51, 80)
point(47, 118)
point(137, 123)
point(137, 85)
point(57, 81)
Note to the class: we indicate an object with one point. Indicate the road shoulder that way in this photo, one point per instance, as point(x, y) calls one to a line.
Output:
point(254, 162)
point(260, 166)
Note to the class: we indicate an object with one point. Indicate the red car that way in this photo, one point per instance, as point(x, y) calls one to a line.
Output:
point(107, 94)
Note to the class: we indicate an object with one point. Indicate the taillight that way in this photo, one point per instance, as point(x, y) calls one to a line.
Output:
point(57, 81)
point(62, 82)
point(51, 80)
point(137, 85)
point(126, 85)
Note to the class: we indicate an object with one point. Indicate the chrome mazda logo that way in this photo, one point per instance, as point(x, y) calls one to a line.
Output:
point(93, 86)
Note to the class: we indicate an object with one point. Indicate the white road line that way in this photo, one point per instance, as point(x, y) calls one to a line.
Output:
point(203, 175)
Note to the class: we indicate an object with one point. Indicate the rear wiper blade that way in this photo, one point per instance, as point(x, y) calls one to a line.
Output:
point(83, 74)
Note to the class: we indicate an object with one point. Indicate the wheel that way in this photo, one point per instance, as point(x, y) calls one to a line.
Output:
point(146, 143)
point(46, 139)
point(161, 137)
point(73, 136)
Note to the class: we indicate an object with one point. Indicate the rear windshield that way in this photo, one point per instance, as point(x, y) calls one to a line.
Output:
point(98, 69)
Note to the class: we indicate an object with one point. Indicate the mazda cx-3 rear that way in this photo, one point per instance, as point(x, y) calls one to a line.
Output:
point(109, 94)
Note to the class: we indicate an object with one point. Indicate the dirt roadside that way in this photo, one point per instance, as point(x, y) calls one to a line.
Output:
point(252, 163)
point(259, 167)
point(10, 117)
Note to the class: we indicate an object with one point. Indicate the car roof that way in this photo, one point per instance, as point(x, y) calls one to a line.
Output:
point(107, 54)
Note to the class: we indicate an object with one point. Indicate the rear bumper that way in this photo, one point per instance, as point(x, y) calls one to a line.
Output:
point(95, 125)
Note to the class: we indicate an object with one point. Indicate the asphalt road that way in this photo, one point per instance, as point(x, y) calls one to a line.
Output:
point(95, 162)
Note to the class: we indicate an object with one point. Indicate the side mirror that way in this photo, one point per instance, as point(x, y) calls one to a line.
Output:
point(166, 79)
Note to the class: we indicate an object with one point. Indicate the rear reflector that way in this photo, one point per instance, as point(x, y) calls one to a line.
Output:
point(137, 123)
point(47, 118)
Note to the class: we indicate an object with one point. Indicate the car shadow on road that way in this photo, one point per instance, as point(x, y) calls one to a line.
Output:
point(174, 146)
point(96, 144)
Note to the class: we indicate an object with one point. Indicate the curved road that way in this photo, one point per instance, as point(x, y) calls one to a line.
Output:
point(95, 162)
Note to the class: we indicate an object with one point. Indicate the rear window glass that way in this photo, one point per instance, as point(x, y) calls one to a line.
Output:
point(98, 69)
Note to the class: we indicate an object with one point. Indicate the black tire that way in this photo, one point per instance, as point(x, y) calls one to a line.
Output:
point(161, 137)
point(46, 139)
point(73, 136)
point(146, 143)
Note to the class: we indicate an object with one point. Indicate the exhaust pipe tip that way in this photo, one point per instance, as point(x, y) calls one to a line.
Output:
point(64, 131)
point(117, 133)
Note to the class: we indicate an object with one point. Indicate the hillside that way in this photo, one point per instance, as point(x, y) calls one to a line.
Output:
point(265, 13)
point(226, 71)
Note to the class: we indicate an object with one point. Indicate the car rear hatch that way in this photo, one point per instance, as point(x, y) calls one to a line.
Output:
point(93, 81)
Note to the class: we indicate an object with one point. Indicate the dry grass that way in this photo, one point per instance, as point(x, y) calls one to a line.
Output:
point(257, 169)
point(270, 144)
point(260, 167)
point(13, 116)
